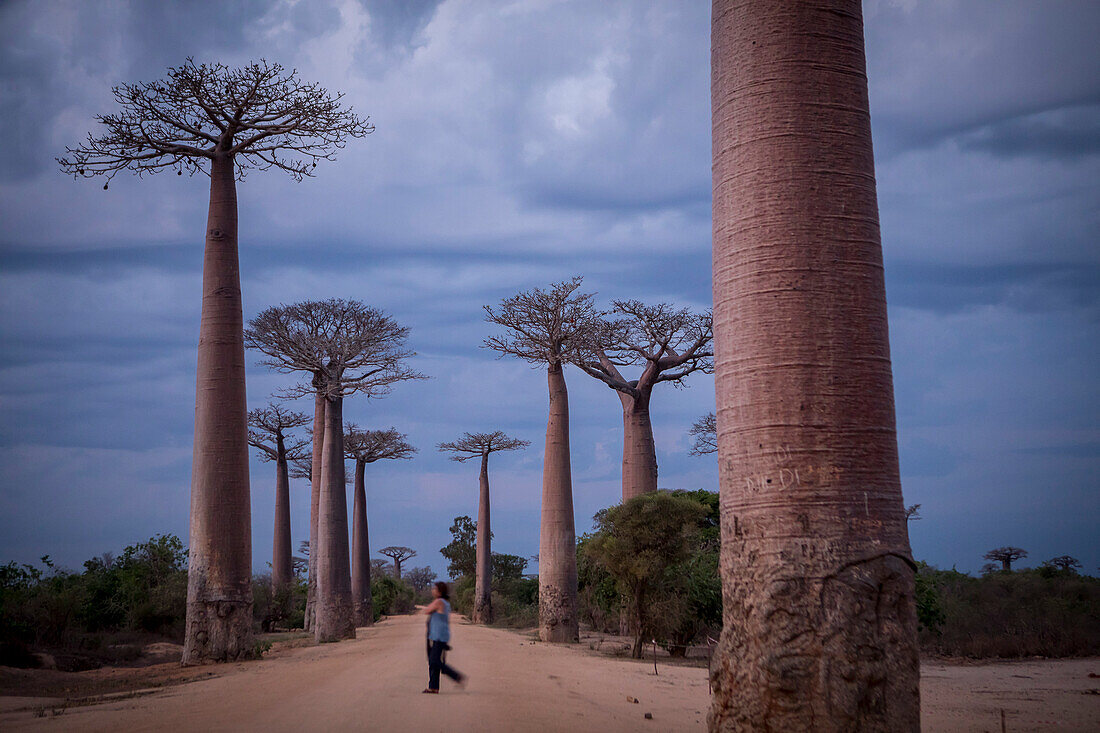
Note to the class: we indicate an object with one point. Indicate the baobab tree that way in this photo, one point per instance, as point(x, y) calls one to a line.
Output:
point(398, 555)
point(222, 122)
point(1064, 563)
point(546, 328)
point(481, 445)
point(1005, 556)
point(346, 347)
point(268, 431)
point(420, 578)
point(820, 624)
point(363, 447)
point(705, 432)
point(667, 344)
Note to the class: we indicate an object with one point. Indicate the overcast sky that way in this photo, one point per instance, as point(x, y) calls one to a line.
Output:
point(520, 143)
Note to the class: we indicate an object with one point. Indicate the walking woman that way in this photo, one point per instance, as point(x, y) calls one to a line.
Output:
point(439, 633)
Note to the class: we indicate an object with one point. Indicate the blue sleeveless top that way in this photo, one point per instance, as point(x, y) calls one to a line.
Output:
point(439, 627)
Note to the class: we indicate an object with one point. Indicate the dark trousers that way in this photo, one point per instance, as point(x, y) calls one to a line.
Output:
point(437, 665)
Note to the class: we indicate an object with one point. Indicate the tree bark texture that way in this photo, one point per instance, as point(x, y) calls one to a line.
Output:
point(557, 535)
point(334, 615)
point(818, 597)
point(639, 451)
point(361, 599)
point(314, 502)
point(483, 579)
point(282, 569)
point(219, 592)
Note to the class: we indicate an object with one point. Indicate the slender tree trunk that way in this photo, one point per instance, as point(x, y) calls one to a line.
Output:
point(639, 451)
point(282, 569)
point(818, 599)
point(360, 552)
point(314, 503)
point(335, 619)
point(219, 592)
point(557, 536)
point(637, 624)
point(639, 477)
point(483, 599)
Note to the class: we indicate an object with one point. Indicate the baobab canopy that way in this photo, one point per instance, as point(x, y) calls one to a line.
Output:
point(223, 122)
point(262, 115)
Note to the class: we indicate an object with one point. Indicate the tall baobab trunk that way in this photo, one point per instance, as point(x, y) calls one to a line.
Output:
point(818, 598)
point(314, 503)
point(557, 536)
point(334, 617)
point(219, 592)
point(362, 602)
point(483, 578)
point(639, 451)
point(282, 569)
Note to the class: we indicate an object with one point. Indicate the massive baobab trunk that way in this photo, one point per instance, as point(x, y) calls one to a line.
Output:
point(557, 537)
point(639, 451)
point(219, 590)
point(232, 120)
point(819, 621)
point(314, 503)
point(362, 602)
point(483, 578)
point(282, 568)
point(334, 619)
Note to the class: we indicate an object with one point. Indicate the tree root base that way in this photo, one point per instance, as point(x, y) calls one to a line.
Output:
point(218, 632)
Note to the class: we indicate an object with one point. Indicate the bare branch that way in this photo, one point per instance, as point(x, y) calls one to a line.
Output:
point(261, 115)
point(475, 445)
point(345, 346)
point(705, 431)
point(667, 343)
point(268, 431)
point(302, 467)
point(543, 325)
point(369, 446)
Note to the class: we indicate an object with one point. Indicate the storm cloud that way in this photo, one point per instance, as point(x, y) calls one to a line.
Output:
point(517, 144)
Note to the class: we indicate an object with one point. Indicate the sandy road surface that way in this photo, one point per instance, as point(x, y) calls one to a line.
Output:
point(374, 683)
point(1036, 695)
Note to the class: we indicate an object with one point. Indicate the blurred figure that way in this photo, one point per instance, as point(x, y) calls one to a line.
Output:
point(439, 634)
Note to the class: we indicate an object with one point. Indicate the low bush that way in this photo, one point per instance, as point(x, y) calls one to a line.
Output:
point(391, 597)
point(1042, 612)
point(284, 608)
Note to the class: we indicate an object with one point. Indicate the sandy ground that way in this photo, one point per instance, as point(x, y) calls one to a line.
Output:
point(374, 683)
point(1035, 695)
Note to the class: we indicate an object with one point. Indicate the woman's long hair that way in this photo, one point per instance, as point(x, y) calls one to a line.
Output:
point(444, 592)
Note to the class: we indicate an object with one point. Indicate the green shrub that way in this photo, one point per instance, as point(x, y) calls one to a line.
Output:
point(930, 616)
point(515, 612)
point(462, 595)
point(644, 544)
point(1010, 614)
point(685, 600)
point(144, 589)
point(391, 597)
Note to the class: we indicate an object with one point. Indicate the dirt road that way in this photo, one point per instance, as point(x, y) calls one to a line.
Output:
point(374, 683)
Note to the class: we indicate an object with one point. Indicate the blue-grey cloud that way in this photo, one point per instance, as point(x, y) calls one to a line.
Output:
point(518, 145)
